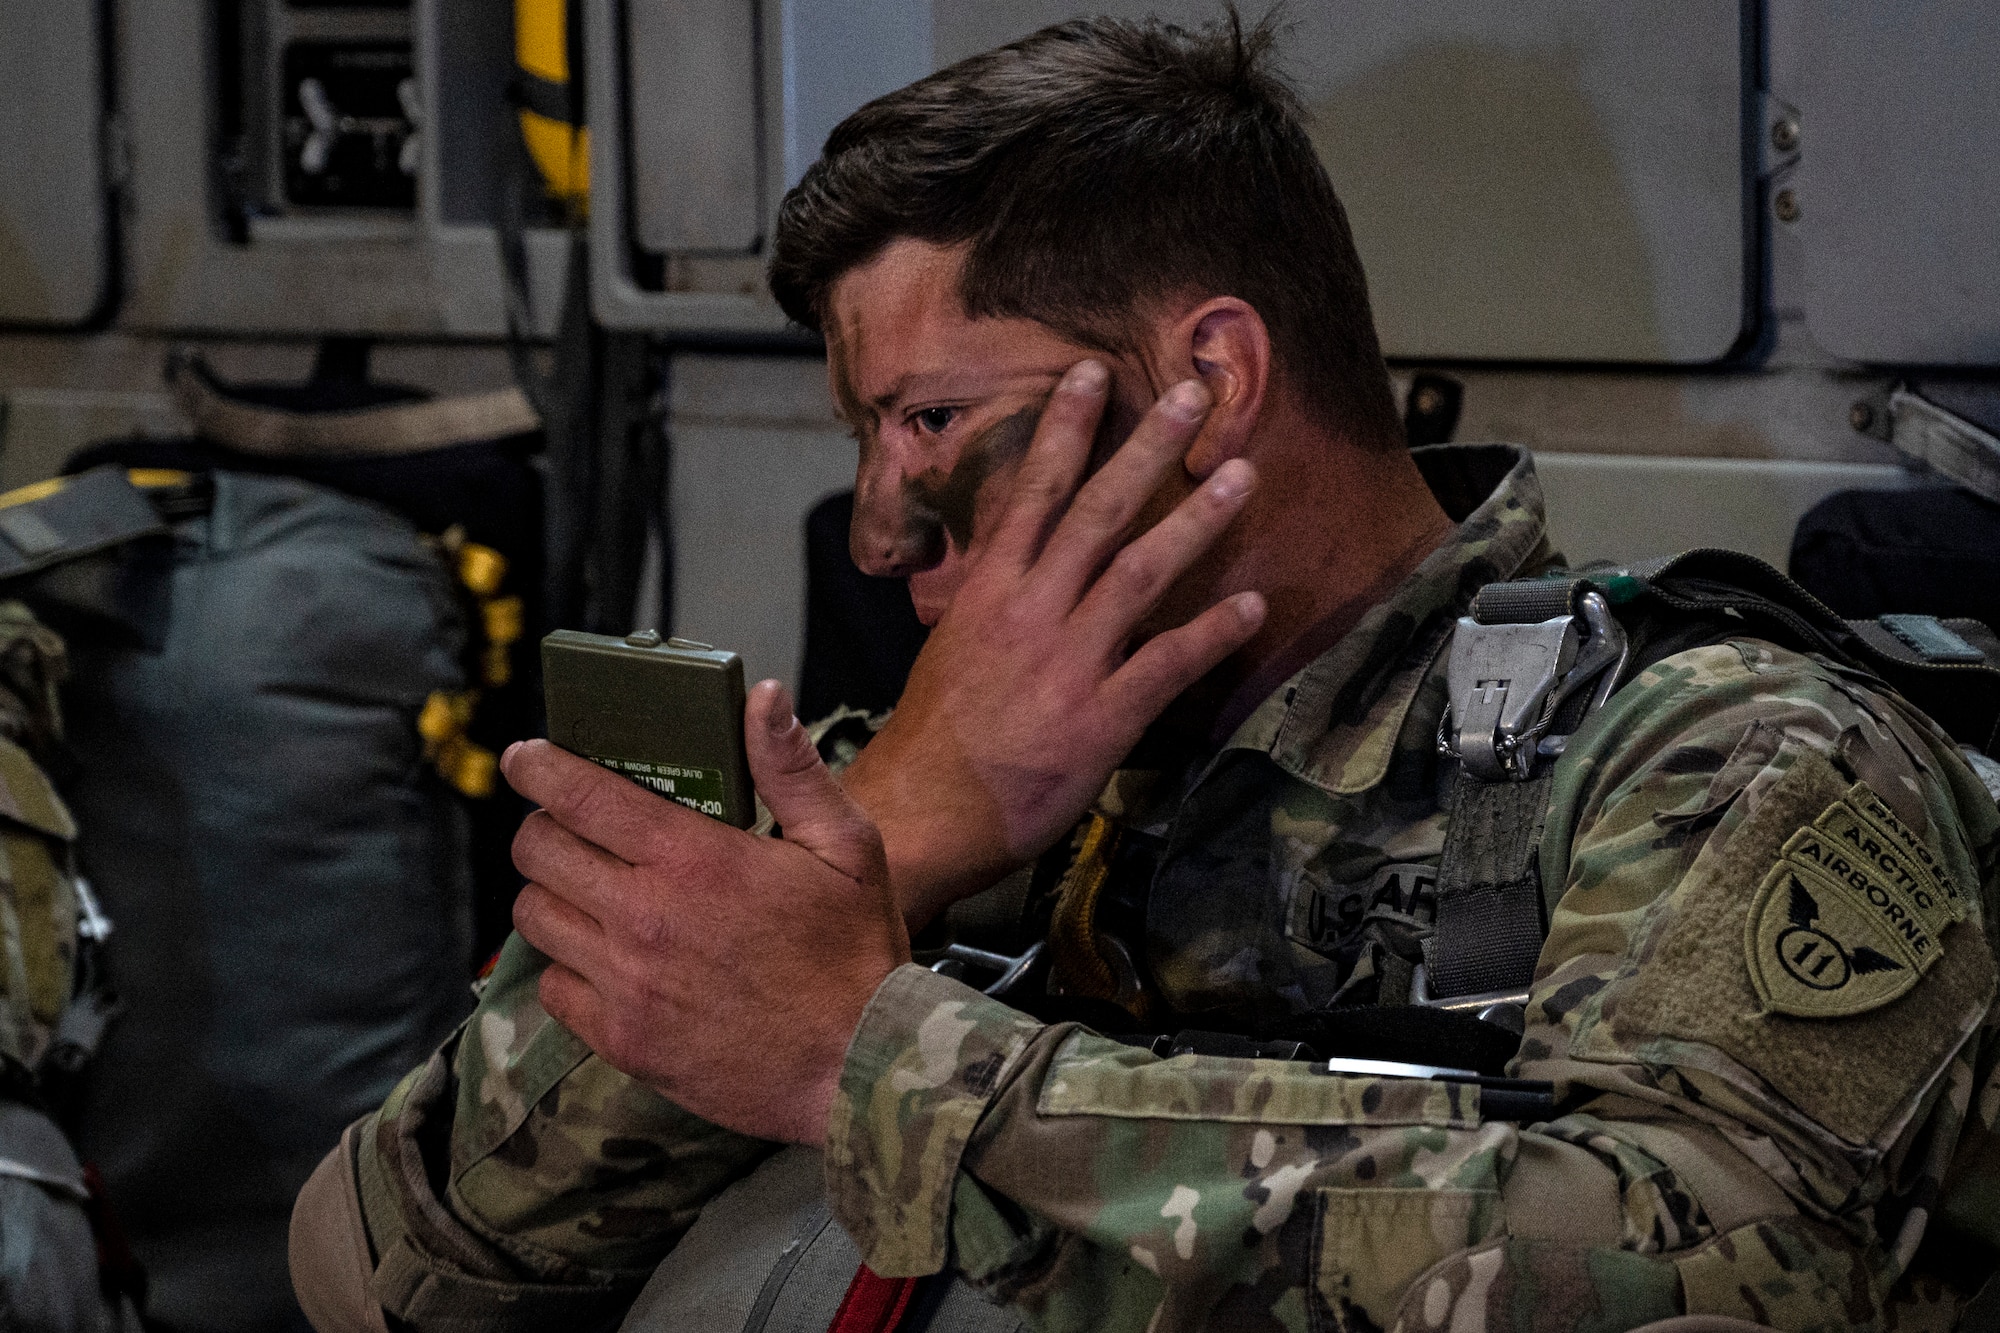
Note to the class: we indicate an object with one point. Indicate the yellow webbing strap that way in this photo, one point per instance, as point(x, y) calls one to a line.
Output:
point(446, 716)
point(145, 478)
point(40, 490)
point(466, 765)
point(1077, 958)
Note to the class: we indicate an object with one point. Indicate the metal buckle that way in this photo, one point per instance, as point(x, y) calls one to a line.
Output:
point(959, 959)
point(1507, 682)
point(1502, 1008)
point(92, 924)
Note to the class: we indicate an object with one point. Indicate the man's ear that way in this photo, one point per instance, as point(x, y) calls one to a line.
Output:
point(1230, 348)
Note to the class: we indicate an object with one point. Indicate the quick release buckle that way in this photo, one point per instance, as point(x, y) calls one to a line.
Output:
point(1507, 682)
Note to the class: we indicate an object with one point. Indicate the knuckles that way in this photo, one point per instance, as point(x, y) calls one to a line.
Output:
point(794, 752)
point(561, 999)
point(530, 839)
point(531, 911)
point(650, 929)
point(1136, 567)
point(623, 1039)
point(591, 804)
point(1099, 509)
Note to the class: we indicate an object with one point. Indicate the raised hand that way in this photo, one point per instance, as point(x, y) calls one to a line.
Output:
point(1031, 690)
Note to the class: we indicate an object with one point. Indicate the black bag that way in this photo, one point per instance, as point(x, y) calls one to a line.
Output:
point(1934, 551)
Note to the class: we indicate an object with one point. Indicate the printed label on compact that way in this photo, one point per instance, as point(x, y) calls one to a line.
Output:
point(696, 788)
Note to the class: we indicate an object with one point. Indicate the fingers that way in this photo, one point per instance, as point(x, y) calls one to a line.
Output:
point(1142, 572)
point(1165, 665)
point(570, 1000)
point(594, 803)
point(557, 928)
point(1055, 461)
point(1109, 502)
point(577, 870)
point(814, 810)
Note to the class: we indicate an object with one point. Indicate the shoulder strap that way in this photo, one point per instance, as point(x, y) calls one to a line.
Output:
point(1945, 442)
point(63, 544)
point(1529, 661)
point(392, 429)
point(1948, 668)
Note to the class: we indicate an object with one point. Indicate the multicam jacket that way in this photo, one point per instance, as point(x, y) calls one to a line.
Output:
point(1765, 1074)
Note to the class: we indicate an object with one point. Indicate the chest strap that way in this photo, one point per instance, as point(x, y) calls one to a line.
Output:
point(1530, 661)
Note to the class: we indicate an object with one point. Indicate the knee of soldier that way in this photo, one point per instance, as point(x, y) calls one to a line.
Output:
point(330, 1257)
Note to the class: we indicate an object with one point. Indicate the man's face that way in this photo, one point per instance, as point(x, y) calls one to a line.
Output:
point(943, 407)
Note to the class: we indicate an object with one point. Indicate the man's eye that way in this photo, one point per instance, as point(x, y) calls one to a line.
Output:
point(935, 419)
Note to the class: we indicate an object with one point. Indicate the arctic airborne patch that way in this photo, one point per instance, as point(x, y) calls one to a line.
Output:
point(1849, 917)
point(1897, 843)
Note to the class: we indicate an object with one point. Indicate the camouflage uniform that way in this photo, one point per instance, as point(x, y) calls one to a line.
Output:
point(1732, 1142)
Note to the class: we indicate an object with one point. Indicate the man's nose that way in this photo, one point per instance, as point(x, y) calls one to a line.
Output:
point(894, 534)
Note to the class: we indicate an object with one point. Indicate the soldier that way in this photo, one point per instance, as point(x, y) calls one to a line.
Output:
point(1209, 682)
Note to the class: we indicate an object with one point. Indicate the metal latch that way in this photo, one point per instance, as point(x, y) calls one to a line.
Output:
point(1508, 681)
point(962, 962)
point(1502, 1008)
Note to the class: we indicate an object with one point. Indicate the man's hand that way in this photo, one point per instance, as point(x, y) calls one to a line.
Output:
point(725, 970)
point(1028, 693)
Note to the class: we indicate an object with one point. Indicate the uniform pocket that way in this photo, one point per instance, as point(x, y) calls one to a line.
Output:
point(1370, 1244)
point(1508, 1283)
point(1781, 1272)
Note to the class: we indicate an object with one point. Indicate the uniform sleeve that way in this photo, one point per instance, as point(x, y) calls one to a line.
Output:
point(516, 1181)
point(1731, 1143)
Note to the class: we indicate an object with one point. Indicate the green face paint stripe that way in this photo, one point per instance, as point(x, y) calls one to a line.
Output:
point(952, 500)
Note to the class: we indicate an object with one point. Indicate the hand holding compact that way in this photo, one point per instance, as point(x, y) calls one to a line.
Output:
point(725, 970)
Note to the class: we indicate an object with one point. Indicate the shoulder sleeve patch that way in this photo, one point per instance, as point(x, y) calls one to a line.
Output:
point(1850, 916)
point(1818, 950)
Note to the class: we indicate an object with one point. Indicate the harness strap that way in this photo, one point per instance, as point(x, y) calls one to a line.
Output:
point(398, 428)
point(1488, 929)
point(1077, 952)
point(1528, 662)
point(50, 522)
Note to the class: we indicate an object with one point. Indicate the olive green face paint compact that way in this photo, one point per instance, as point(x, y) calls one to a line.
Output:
point(666, 713)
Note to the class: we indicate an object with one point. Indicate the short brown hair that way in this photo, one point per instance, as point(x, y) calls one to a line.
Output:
point(1092, 169)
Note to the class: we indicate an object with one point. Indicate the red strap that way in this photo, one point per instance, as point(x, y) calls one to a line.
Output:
point(873, 1304)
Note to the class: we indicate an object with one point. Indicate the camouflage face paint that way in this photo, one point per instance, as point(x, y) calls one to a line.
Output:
point(950, 501)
